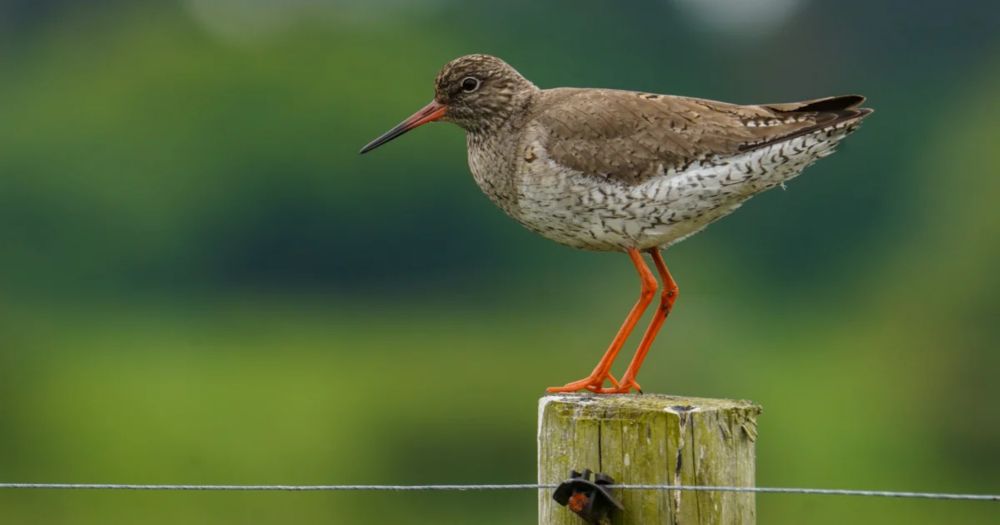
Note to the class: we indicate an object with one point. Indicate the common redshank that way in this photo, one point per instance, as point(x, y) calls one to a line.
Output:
point(623, 171)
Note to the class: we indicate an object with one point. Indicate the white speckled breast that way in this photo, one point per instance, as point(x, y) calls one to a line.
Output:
point(595, 213)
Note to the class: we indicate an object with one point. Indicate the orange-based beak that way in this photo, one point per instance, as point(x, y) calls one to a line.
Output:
point(431, 112)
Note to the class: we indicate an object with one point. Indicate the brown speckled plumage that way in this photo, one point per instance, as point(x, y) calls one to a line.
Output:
point(605, 169)
point(642, 134)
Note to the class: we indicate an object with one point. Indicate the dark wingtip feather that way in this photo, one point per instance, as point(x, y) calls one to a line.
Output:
point(840, 103)
point(821, 105)
point(825, 118)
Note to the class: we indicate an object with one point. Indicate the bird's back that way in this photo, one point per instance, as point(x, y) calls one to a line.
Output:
point(629, 136)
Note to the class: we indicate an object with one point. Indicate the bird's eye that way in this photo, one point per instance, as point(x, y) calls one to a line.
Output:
point(470, 84)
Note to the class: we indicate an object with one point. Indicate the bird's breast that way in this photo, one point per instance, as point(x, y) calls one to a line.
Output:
point(494, 172)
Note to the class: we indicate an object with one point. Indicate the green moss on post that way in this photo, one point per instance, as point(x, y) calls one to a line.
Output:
point(645, 439)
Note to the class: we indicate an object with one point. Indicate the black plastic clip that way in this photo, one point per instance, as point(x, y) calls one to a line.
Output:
point(591, 500)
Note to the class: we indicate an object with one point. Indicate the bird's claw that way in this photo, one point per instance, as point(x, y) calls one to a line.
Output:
point(626, 385)
point(594, 383)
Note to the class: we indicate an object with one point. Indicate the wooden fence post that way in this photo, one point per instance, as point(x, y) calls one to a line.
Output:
point(651, 439)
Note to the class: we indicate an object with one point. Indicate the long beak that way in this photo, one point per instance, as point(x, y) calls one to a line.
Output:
point(431, 112)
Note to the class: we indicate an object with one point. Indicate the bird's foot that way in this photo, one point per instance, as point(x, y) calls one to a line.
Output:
point(593, 382)
point(622, 387)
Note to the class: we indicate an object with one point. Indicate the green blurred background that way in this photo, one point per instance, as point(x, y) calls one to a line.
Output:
point(202, 282)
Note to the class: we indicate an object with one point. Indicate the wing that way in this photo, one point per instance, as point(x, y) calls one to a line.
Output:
point(631, 137)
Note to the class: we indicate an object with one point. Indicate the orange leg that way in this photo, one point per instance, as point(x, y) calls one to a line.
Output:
point(602, 372)
point(667, 299)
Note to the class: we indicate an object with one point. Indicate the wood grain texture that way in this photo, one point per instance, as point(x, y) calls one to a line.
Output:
point(651, 439)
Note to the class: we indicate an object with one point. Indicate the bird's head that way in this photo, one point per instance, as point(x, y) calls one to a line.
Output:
point(476, 92)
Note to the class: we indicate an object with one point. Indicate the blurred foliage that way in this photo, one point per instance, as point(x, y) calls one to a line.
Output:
point(202, 282)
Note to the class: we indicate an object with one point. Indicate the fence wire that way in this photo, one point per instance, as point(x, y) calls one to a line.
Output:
point(512, 486)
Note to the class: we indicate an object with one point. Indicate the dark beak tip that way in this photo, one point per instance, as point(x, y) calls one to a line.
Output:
point(429, 113)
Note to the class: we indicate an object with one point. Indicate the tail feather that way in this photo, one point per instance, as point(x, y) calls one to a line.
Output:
point(822, 113)
point(820, 105)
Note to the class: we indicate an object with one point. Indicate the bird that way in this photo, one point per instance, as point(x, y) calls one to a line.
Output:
point(623, 171)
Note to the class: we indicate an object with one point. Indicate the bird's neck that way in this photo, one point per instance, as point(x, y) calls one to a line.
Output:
point(497, 136)
point(513, 116)
point(492, 156)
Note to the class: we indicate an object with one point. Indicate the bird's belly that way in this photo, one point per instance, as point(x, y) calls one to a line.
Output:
point(600, 214)
point(575, 211)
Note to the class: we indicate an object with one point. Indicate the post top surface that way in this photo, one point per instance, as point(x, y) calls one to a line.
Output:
point(647, 403)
